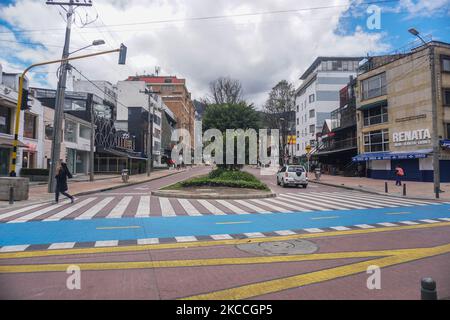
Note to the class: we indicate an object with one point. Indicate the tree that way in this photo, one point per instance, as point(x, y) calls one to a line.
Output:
point(281, 100)
point(226, 90)
point(231, 116)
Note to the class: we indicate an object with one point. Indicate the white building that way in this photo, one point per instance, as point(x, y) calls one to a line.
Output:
point(131, 95)
point(30, 153)
point(318, 95)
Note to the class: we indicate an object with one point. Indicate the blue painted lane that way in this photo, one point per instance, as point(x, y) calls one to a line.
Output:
point(161, 227)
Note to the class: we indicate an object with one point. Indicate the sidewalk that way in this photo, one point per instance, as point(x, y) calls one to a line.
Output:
point(416, 190)
point(39, 194)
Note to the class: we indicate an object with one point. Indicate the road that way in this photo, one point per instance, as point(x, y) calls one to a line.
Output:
point(143, 247)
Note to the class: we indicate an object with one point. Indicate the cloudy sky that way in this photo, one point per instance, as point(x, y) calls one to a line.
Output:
point(259, 42)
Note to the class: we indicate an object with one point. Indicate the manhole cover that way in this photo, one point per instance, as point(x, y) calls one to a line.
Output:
point(291, 247)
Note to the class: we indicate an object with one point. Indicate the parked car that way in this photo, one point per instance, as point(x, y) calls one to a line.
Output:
point(292, 175)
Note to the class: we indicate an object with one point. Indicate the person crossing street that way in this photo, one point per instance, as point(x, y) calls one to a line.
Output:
point(62, 175)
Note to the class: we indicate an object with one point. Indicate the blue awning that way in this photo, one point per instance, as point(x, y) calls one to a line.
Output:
point(404, 155)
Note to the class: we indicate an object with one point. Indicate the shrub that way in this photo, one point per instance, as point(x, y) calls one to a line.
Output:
point(25, 172)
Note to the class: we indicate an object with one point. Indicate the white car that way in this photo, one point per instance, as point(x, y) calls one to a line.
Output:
point(292, 175)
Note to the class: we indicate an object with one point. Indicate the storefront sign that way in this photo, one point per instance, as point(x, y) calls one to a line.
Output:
point(409, 138)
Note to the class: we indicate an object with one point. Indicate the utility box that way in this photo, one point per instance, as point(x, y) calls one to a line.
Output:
point(20, 188)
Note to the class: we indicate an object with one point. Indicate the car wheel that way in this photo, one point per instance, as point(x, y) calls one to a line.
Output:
point(305, 186)
point(278, 182)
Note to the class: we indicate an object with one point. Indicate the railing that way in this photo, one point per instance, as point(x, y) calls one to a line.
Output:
point(336, 145)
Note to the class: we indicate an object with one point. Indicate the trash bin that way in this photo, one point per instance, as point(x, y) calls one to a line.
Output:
point(318, 173)
point(125, 175)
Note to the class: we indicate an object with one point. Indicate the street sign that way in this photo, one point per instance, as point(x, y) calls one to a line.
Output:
point(308, 148)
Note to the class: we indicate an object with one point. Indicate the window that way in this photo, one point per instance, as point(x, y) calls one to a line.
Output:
point(29, 129)
point(298, 121)
point(447, 97)
point(374, 86)
point(312, 113)
point(298, 134)
point(312, 129)
point(28, 159)
point(376, 115)
point(298, 147)
point(446, 64)
point(5, 120)
point(70, 131)
point(448, 130)
point(157, 120)
point(85, 132)
point(312, 98)
point(376, 141)
point(75, 105)
point(48, 131)
point(298, 108)
point(157, 134)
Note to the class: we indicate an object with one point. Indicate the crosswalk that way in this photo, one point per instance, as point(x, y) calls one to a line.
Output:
point(142, 206)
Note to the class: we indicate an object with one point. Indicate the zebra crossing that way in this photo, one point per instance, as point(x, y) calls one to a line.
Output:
point(142, 206)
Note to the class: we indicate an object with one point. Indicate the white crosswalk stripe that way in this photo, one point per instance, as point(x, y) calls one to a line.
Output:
point(186, 239)
point(252, 206)
point(222, 237)
point(314, 230)
point(232, 207)
point(110, 243)
point(253, 235)
point(393, 200)
point(445, 219)
point(60, 215)
point(285, 233)
point(374, 201)
point(301, 202)
point(148, 241)
point(387, 224)
point(288, 205)
point(143, 209)
point(189, 208)
point(364, 226)
point(211, 208)
point(342, 198)
point(37, 213)
point(429, 221)
point(306, 200)
point(57, 246)
point(340, 228)
point(14, 248)
point(18, 211)
point(91, 212)
point(119, 210)
point(166, 208)
point(324, 199)
point(271, 206)
point(409, 223)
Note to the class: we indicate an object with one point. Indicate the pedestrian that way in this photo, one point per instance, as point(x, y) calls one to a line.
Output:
point(62, 174)
point(399, 173)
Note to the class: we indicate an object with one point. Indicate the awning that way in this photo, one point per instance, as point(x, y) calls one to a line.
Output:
point(8, 143)
point(404, 155)
point(373, 105)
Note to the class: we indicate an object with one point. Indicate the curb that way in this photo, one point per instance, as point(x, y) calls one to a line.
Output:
point(169, 194)
point(375, 192)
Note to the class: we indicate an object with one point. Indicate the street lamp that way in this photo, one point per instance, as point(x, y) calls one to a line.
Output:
point(94, 43)
point(436, 140)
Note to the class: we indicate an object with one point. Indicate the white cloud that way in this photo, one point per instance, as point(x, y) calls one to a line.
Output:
point(258, 50)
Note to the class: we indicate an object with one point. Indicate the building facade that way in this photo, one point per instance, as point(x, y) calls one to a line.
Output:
point(30, 153)
point(394, 117)
point(318, 96)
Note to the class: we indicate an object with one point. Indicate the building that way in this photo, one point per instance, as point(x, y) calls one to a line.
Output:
point(176, 97)
point(30, 153)
point(168, 127)
point(76, 142)
point(318, 96)
point(338, 139)
point(394, 113)
point(134, 103)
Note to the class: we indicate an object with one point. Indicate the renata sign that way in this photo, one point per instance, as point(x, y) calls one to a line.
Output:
point(415, 137)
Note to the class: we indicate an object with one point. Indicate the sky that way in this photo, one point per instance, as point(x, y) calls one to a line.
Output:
point(259, 42)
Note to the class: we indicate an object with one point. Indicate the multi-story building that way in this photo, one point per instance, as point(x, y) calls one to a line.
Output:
point(337, 142)
point(318, 96)
point(394, 117)
point(30, 153)
point(176, 97)
point(134, 103)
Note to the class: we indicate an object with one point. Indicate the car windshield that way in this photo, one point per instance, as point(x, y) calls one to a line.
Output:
point(296, 169)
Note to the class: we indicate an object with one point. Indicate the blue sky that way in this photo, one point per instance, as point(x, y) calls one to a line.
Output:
point(259, 50)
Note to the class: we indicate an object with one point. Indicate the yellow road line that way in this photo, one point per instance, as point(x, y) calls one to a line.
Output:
point(273, 286)
point(118, 228)
point(104, 266)
point(137, 248)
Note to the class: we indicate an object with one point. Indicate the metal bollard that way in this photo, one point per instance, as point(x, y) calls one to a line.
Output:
point(428, 289)
point(11, 195)
point(404, 189)
point(386, 187)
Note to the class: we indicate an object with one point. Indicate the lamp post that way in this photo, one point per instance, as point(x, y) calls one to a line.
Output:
point(435, 124)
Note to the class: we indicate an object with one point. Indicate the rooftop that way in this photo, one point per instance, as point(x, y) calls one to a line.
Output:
point(319, 60)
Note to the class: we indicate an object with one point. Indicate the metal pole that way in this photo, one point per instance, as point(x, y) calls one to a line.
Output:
point(149, 138)
point(59, 104)
point(436, 142)
point(91, 153)
point(16, 127)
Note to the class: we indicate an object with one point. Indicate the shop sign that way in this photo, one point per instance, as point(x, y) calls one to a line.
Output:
point(410, 138)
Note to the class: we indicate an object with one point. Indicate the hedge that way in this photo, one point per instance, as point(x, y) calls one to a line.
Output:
point(25, 172)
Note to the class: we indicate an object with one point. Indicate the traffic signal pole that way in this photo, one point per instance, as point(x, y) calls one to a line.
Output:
point(121, 50)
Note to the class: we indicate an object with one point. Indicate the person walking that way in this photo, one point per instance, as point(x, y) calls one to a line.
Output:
point(399, 173)
point(62, 174)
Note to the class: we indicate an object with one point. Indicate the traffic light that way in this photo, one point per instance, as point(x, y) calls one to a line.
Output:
point(122, 54)
point(24, 103)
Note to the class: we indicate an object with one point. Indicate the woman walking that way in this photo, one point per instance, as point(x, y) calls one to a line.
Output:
point(62, 173)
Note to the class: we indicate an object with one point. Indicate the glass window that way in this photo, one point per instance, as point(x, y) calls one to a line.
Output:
point(5, 120)
point(312, 98)
point(85, 132)
point(374, 86)
point(448, 130)
point(70, 131)
point(447, 97)
point(376, 141)
point(376, 115)
point(312, 129)
point(48, 131)
point(446, 64)
point(29, 129)
point(312, 113)
point(74, 105)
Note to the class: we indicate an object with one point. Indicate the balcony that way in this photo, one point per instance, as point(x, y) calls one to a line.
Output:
point(336, 145)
